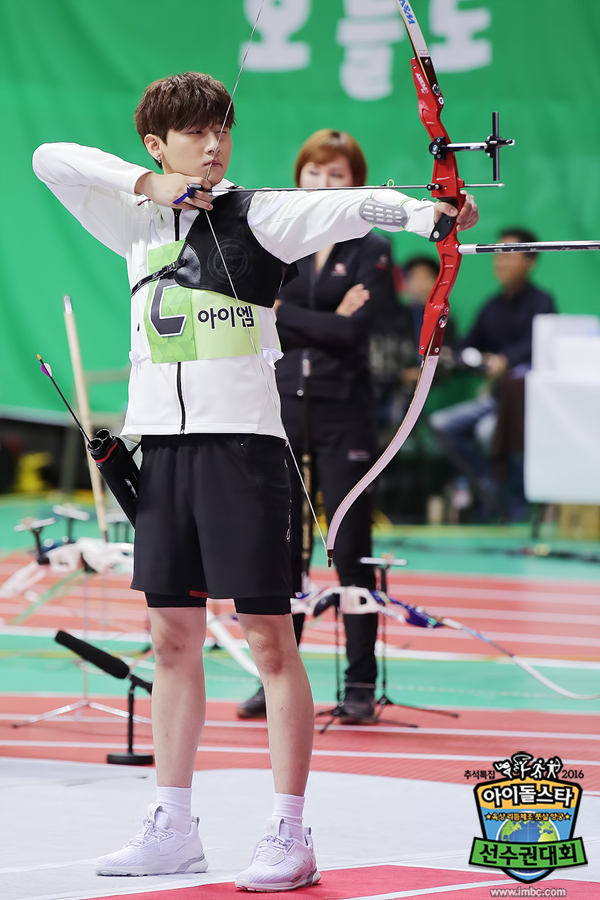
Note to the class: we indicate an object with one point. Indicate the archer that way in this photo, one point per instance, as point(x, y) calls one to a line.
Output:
point(213, 506)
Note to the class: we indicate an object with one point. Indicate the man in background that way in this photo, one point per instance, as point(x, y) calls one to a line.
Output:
point(394, 351)
point(502, 333)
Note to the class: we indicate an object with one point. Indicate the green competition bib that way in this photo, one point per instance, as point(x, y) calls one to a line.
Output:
point(183, 324)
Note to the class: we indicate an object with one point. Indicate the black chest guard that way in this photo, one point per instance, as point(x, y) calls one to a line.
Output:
point(212, 262)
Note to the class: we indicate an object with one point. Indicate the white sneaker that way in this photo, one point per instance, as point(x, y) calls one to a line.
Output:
point(157, 849)
point(280, 863)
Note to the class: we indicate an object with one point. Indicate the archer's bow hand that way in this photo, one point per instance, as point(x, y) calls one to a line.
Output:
point(467, 217)
point(166, 190)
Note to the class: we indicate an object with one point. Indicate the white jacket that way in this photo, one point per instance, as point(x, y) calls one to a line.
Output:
point(225, 394)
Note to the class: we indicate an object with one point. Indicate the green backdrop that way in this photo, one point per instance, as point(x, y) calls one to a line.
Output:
point(73, 70)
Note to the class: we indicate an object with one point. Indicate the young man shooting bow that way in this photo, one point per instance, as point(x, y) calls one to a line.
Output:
point(213, 506)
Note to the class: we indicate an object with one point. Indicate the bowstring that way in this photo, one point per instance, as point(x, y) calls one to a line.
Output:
point(266, 383)
point(237, 299)
point(235, 87)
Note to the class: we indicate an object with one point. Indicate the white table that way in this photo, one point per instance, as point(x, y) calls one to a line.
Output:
point(562, 437)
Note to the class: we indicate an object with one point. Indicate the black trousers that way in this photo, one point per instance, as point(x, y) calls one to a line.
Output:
point(343, 443)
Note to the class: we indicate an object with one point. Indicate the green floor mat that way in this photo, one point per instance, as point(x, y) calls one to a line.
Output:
point(34, 664)
point(469, 549)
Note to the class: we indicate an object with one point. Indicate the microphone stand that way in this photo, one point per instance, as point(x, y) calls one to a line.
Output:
point(130, 758)
point(116, 667)
point(35, 528)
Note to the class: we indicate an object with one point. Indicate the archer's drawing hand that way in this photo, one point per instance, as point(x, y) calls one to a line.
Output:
point(467, 217)
point(165, 189)
point(356, 297)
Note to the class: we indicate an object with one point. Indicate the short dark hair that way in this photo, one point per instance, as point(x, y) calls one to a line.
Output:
point(183, 101)
point(323, 146)
point(428, 261)
point(523, 235)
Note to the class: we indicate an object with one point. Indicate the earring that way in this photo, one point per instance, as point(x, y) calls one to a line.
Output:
point(159, 160)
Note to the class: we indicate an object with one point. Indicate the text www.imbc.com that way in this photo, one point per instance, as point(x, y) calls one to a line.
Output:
point(528, 891)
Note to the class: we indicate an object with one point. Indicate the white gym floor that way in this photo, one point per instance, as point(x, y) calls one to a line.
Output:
point(57, 817)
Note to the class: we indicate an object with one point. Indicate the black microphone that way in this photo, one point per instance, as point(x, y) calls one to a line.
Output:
point(112, 665)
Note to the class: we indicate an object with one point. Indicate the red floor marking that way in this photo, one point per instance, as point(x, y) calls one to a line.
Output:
point(112, 606)
point(467, 748)
point(447, 581)
point(339, 884)
point(523, 720)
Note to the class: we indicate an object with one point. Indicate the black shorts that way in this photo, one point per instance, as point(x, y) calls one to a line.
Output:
point(213, 519)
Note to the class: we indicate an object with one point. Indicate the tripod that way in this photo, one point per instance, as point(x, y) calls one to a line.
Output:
point(116, 667)
point(84, 702)
point(359, 601)
point(35, 527)
point(335, 598)
point(382, 566)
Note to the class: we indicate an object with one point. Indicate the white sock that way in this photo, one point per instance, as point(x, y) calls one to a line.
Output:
point(177, 803)
point(290, 807)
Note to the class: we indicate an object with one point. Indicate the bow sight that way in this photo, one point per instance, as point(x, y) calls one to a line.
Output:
point(492, 145)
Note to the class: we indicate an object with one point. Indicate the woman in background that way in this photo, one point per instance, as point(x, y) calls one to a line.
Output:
point(323, 319)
